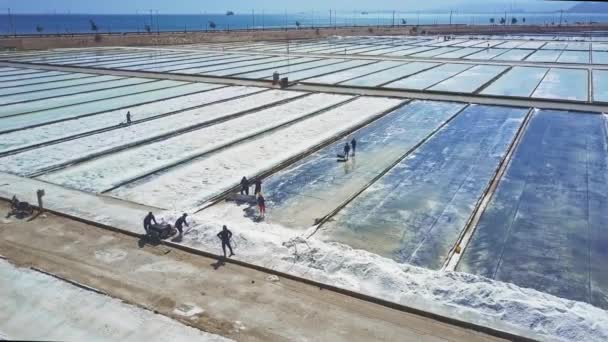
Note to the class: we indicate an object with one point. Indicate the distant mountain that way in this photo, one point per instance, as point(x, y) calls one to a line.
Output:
point(590, 7)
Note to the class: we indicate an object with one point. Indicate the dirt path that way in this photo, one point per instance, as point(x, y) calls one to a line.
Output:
point(238, 302)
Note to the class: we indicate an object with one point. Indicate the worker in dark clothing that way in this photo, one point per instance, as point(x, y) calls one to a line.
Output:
point(128, 118)
point(244, 186)
point(346, 150)
point(148, 221)
point(225, 235)
point(353, 145)
point(262, 205)
point(258, 187)
point(181, 221)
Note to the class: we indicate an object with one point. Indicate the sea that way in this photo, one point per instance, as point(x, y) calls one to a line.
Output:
point(20, 24)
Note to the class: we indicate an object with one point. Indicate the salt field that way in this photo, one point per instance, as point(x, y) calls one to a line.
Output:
point(355, 61)
point(481, 157)
point(544, 226)
point(415, 211)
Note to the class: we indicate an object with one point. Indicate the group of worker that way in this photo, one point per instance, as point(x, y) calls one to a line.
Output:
point(348, 148)
point(225, 235)
point(179, 224)
point(257, 192)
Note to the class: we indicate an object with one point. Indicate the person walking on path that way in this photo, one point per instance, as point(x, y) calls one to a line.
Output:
point(346, 151)
point(353, 145)
point(128, 118)
point(225, 235)
point(148, 221)
point(181, 221)
point(262, 205)
point(258, 187)
point(244, 186)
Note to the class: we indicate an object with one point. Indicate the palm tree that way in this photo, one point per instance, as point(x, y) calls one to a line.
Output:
point(503, 21)
point(492, 21)
point(523, 20)
point(403, 22)
point(212, 24)
point(298, 24)
point(513, 21)
point(39, 28)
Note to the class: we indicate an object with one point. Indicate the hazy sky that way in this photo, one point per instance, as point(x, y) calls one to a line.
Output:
point(217, 6)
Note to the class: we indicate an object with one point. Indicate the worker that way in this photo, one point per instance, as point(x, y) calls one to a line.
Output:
point(346, 150)
point(225, 235)
point(244, 186)
point(261, 205)
point(148, 221)
point(128, 118)
point(353, 145)
point(181, 221)
point(258, 187)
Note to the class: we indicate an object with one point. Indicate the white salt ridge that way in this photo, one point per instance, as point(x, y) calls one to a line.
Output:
point(353, 73)
point(149, 92)
point(35, 160)
point(188, 186)
point(183, 66)
point(111, 81)
point(103, 173)
point(288, 69)
point(463, 296)
point(64, 129)
point(115, 88)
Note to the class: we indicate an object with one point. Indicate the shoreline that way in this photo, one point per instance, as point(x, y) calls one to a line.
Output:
point(43, 42)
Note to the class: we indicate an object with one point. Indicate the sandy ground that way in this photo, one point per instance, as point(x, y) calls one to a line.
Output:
point(231, 301)
point(43, 303)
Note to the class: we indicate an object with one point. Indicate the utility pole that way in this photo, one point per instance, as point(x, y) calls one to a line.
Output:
point(335, 21)
point(151, 21)
point(561, 15)
point(252, 19)
point(393, 18)
point(157, 24)
point(11, 26)
point(451, 17)
point(8, 27)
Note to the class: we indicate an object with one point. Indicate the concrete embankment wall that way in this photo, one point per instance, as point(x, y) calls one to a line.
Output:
point(171, 38)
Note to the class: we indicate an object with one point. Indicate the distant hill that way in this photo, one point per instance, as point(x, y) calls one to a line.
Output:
point(590, 7)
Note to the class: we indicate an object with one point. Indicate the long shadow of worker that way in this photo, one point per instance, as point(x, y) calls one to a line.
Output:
point(146, 240)
point(251, 212)
point(34, 217)
point(249, 204)
point(219, 263)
